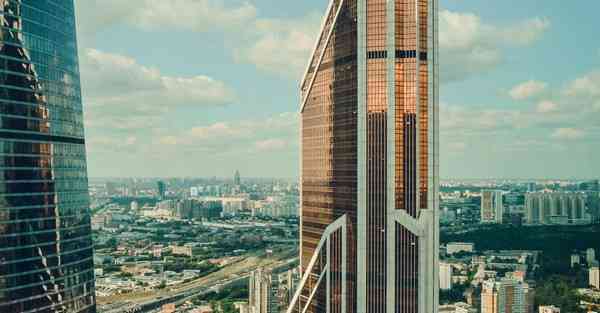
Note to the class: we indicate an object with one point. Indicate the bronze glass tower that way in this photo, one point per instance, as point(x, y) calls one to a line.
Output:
point(369, 225)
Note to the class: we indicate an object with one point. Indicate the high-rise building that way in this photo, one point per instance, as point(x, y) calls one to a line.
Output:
point(575, 259)
point(262, 292)
point(237, 180)
point(161, 189)
point(492, 207)
point(549, 309)
point(556, 208)
point(46, 257)
point(590, 256)
point(369, 186)
point(446, 271)
point(505, 296)
point(595, 277)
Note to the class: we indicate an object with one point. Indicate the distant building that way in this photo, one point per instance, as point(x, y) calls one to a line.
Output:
point(186, 250)
point(446, 271)
point(168, 308)
point(447, 215)
point(111, 189)
point(237, 180)
point(492, 207)
point(531, 187)
point(592, 185)
point(595, 277)
point(134, 206)
point(161, 189)
point(242, 307)
point(197, 209)
point(504, 296)
point(262, 292)
point(194, 192)
point(575, 259)
point(556, 208)
point(473, 296)
point(456, 247)
point(157, 251)
point(549, 309)
point(590, 256)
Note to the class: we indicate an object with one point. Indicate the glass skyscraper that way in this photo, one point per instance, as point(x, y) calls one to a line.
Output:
point(369, 186)
point(45, 236)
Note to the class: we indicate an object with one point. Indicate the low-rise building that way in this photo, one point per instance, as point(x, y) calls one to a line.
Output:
point(456, 247)
point(549, 309)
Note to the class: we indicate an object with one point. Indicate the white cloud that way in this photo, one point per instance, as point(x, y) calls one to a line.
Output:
point(527, 89)
point(270, 144)
point(568, 133)
point(280, 46)
point(121, 93)
point(526, 32)
point(192, 15)
point(468, 46)
point(586, 86)
point(268, 133)
point(547, 106)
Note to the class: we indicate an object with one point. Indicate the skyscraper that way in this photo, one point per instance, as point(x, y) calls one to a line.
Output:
point(262, 292)
point(492, 207)
point(45, 235)
point(556, 208)
point(590, 256)
point(505, 296)
point(161, 189)
point(237, 180)
point(369, 199)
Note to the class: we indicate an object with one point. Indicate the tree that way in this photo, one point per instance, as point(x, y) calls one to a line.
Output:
point(559, 291)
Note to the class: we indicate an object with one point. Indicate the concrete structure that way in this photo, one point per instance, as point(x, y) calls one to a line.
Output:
point(46, 257)
point(369, 170)
point(575, 259)
point(446, 271)
point(492, 207)
point(242, 307)
point(590, 256)
point(504, 296)
point(262, 292)
point(161, 189)
point(237, 180)
point(556, 208)
point(456, 247)
point(595, 277)
point(549, 309)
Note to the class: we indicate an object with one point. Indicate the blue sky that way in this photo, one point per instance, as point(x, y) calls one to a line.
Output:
point(204, 87)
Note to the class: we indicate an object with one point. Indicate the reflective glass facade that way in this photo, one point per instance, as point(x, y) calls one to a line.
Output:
point(369, 152)
point(45, 235)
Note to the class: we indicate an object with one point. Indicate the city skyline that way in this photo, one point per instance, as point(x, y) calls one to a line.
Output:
point(521, 105)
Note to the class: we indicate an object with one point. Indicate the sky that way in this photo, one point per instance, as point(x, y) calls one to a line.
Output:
point(204, 87)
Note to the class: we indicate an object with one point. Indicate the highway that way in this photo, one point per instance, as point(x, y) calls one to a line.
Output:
point(190, 291)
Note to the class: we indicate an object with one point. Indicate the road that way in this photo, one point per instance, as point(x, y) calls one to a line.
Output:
point(230, 276)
